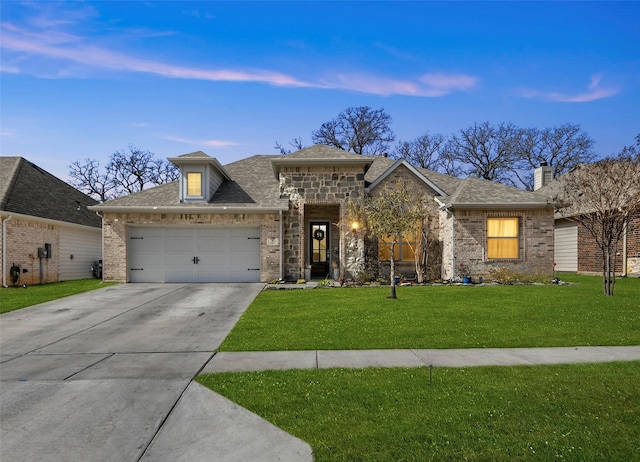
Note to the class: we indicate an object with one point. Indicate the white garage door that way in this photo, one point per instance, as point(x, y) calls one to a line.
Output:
point(195, 254)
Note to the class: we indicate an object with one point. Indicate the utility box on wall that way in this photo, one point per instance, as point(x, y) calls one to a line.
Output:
point(42, 252)
point(47, 249)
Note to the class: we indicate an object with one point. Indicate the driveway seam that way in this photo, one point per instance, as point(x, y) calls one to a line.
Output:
point(89, 366)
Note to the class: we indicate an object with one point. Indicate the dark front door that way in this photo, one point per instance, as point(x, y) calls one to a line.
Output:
point(319, 246)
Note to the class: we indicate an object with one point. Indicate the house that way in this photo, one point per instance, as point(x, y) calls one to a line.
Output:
point(575, 249)
point(48, 234)
point(271, 217)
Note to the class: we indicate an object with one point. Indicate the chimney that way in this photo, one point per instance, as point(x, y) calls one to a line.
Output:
point(542, 176)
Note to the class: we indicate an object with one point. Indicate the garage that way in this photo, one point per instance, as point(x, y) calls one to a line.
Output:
point(194, 254)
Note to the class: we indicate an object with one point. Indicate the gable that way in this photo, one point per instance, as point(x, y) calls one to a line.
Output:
point(403, 169)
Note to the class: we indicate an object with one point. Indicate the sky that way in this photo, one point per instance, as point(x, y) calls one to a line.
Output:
point(80, 80)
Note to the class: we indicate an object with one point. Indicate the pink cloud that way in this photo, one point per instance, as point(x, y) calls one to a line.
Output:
point(594, 93)
point(67, 47)
point(429, 85)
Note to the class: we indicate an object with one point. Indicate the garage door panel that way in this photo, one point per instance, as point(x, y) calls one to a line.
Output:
point(167, 254)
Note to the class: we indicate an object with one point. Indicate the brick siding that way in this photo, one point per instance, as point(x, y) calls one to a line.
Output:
point(23, 239)
point(469, 248)
point(115, 237)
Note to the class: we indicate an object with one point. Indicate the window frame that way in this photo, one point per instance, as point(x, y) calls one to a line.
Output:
point(402, 246)
point(185, 177)
point(517, 238)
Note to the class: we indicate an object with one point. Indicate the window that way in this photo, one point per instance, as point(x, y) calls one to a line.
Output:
point(194, 184)
point(404, 250)
point(503, 238)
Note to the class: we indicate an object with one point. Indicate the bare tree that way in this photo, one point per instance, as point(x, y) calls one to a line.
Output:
point(485, 151)
point(88, 178)
point(296, 143)
point(389, 215)
point(561, 148)
point(603, 197)
point(424, 151)
point(125, 173)
point(361, 130)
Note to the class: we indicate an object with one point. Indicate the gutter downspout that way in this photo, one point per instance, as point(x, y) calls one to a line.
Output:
point(101, 242)
point(281, 244)
point(4, 251)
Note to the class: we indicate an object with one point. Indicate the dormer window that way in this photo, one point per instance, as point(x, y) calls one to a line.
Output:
point(200, 176)
point(194, 185)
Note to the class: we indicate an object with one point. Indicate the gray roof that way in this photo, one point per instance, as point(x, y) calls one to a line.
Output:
point(479, 193)
point(254, 186)
point(27, 189)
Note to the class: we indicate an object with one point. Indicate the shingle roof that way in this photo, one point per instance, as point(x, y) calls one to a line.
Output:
point(476, 192)
point(253, 184)
point(27, 189)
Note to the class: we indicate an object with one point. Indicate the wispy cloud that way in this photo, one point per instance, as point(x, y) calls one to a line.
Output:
point(194, 142)
point(428, 85)
point(595, 91)
point(19, 43)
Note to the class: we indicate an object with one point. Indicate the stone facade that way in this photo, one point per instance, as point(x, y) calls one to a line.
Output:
point(319, 193)
point(115, 236)
point(470, 242)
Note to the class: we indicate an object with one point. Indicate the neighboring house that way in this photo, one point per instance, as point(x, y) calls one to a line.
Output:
point(41, 213)
point(271, 217)
point(575, 249)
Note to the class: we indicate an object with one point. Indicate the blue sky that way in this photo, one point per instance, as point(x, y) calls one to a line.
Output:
point(83, 79)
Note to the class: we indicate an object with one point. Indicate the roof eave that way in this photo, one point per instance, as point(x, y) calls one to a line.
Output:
point(500, 206)
point(186, 209)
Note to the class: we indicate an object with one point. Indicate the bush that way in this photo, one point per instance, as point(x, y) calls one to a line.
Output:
point(504, 275)
point(364, 277)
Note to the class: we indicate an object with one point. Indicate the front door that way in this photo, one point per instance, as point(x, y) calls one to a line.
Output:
point(319, 247)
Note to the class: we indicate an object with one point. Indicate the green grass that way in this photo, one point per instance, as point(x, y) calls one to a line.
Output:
point(564, 412)
point(15, 298)
point(441, 317)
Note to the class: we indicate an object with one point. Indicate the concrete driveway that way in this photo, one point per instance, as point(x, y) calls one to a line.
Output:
point(107, 375)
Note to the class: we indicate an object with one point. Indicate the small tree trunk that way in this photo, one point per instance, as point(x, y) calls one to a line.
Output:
point(392, 273)
point(608, 273)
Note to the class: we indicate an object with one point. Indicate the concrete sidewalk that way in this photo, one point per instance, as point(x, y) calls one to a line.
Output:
point(323, 359)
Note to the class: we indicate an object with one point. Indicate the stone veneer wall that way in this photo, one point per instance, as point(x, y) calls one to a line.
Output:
point(322, 191)
point(469, 247)
point(115, 237)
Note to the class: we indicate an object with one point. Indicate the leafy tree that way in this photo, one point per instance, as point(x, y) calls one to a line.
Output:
point(125, 173)
point(485, 151)
point(603, 197)
point(425, 151)
point(361, 130)
point(562, 148)
point(388, 215)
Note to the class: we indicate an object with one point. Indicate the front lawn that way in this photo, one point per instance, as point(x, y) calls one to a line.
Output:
point(441, 317)
point(14, 298)
point(563, 412)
